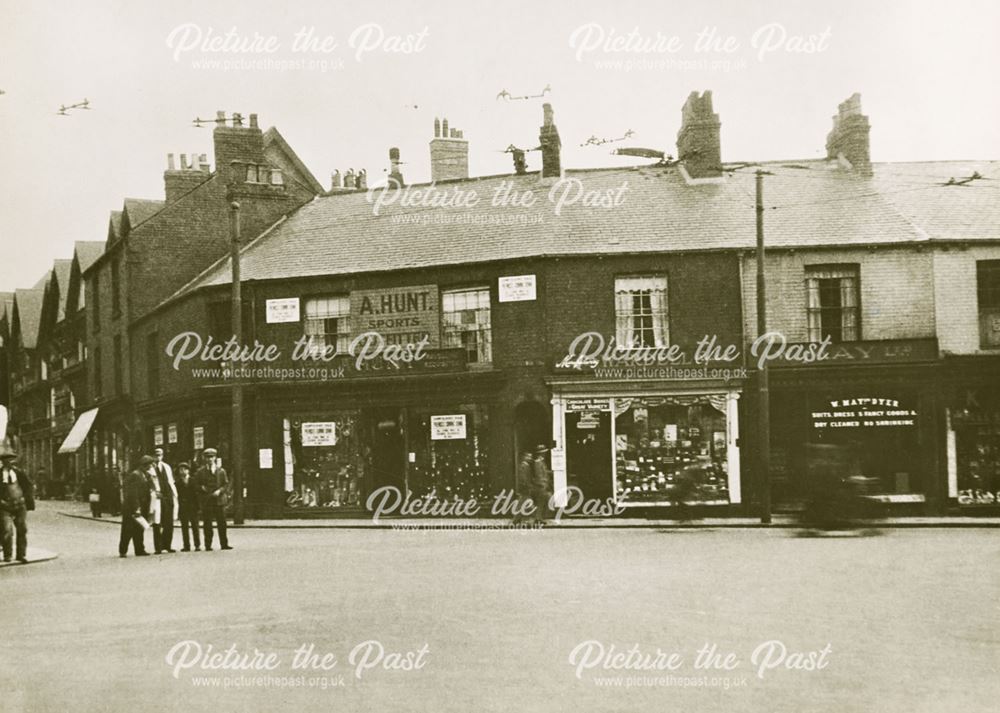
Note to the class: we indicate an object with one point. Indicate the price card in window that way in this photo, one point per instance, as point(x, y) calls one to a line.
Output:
point(319, 433)
point(446, 428)
point(158, 436)
point(172, 433)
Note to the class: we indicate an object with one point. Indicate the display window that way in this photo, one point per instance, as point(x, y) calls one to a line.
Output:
point(977, 448)
point(327, 466)
point(447, 453)
point(671, 450)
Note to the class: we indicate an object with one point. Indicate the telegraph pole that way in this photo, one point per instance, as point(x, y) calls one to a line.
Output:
point(763, 395)
point(237, 403)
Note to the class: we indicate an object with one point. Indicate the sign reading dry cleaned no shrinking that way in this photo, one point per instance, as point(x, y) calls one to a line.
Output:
point(864, 412)
point(401, 315)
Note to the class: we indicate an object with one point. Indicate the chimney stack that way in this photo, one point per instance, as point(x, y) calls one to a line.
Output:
point(449, 153)
point(520, 164)
point(849, 137)
point(548, 137)
point(698, 144)
point(395, 175)
point(236, 143)
point(178, 181)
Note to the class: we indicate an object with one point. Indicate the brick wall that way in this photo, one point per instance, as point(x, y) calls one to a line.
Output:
point(896, 288)
point(956, 298)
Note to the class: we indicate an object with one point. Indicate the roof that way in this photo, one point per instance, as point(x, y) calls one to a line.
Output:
point(6, 305)
point(272, 137)
point(29, 312)
point(140, 210)
point(815, 203)
point(87, 251)
point(114, 226)
point(60, 271)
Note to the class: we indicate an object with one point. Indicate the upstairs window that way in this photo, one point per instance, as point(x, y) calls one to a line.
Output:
point(116, 288)
point(988, 289)
point(328, 324)
point(832, 297)
point(641, 318)
point(465, 321)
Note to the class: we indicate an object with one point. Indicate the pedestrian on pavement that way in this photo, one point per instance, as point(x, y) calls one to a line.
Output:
point(17, 497)
point(213, 487)
point(523, 490)
point(155, 501)
point(136, 506)
point(187, 508)
point(541, 482)
point(163, 531)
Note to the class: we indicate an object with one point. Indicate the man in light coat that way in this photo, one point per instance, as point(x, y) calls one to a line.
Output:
point(163, 526)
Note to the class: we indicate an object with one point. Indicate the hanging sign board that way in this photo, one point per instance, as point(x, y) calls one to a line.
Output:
point(517, 288)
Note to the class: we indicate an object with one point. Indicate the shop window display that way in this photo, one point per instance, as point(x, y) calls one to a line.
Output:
point(328, 465)
point(451, 466)
point(671, 450)
point(977, 445)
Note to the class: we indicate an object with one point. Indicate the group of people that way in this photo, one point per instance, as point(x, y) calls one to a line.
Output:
point(533, 485)
point(152, 498)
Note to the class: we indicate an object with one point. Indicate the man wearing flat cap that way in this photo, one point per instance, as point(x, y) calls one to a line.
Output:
point(213, 487)
point(16, 498)
point(136, 508)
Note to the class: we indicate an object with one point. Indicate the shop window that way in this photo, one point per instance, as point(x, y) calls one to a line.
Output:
point(671, 450)
point(641, 312)
point(466, 323)
point(449, 457)
point(988, 288)
point(328, 323)
point(832, 303)
point(326, 461)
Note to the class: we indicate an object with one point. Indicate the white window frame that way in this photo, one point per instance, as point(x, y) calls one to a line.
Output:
point(316, 311)
point(468, 311)
point(651, 293)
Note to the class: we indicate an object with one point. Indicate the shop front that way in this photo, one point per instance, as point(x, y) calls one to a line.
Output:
point(646, 444)
point(874, 410)
point(973, 435)
point(340, 449)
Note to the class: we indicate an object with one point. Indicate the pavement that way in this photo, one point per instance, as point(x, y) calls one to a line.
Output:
point(501, 620)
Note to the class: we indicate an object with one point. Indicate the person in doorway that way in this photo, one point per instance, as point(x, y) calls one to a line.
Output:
point(541, 482)
point(187, 508)
point(523, 489)
point(16, 499)
point(163, 531)
point(136, 506)
point(213, 488)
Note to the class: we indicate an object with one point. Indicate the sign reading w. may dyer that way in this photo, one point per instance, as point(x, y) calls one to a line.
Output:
point(402, 315)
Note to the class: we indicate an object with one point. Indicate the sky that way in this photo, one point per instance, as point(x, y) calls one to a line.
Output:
point(777, 70)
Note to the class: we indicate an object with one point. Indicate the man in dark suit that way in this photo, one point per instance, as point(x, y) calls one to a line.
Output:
point(136, 504)
point(187, 507)
point(213, 487)
point(17, 497)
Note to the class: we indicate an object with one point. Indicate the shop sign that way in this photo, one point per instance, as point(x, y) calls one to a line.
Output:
point(588, 404)
point(172, 433)
point(158, 435)
point(517, 288)
point(401, 315)
point(864, 412)
point(448, 428)
point(589, 420)
point(283, 310)
point(319, 433)
point(265, 458)
point(199, 438)
point(888, 351)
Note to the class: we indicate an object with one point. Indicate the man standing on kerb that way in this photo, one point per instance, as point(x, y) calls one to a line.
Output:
point(213, 488)
point(16, 499)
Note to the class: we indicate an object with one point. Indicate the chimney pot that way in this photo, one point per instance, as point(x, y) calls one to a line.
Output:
point(253, 121)
point(849, 136)
point(349, 178)
point(220, 117)
point(444, 127)
point(336, 181)
point(437, 127)
point(237, 119)
point(170, 162)
point(184, 162)
point(361, 180)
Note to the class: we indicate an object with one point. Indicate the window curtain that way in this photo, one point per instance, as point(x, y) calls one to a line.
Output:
point(627, 290)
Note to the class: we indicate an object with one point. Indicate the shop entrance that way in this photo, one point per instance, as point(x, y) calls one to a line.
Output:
point(388, 449)
point(588, 453)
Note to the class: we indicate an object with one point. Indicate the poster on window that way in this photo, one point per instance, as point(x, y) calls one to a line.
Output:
point(448, 428)
point(283, 310)
point(517, 288)
point(265, 458)
point(172, 433)
point(158, 435)
point(198, 436)
point(319, 433)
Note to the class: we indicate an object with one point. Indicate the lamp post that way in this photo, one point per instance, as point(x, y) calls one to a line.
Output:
point(237, 393)
point(763, 395)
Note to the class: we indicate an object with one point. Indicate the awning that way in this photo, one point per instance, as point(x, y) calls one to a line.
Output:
point(78, 434)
